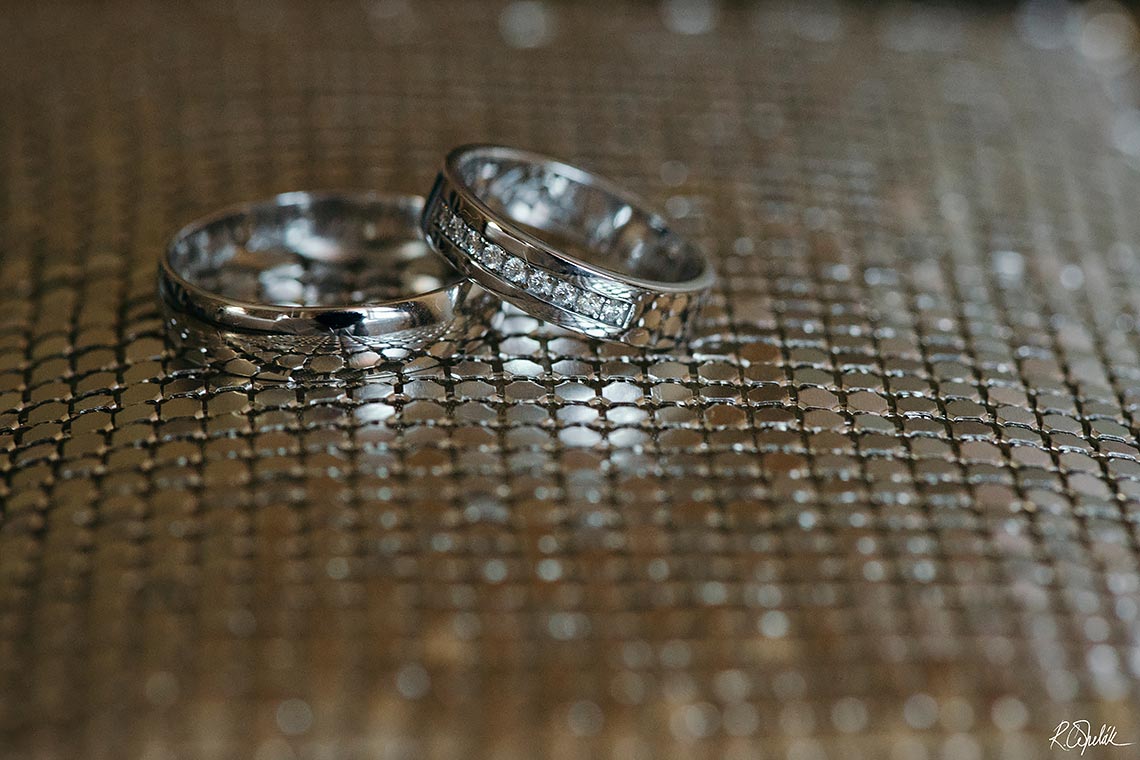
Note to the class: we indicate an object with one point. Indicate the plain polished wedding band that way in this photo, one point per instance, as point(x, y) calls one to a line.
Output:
point(566, 245)
point(291, 247)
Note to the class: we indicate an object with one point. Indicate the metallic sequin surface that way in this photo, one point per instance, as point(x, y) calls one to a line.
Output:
point(884, 506)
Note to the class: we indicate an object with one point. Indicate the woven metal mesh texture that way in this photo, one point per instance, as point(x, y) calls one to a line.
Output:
point(885, 507)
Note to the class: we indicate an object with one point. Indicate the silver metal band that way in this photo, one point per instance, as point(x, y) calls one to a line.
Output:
point(566, 245)
point(234, 356)
point(335, 274)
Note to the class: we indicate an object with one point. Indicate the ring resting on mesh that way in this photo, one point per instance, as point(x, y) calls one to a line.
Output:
point(310, 284)
point(566, 246)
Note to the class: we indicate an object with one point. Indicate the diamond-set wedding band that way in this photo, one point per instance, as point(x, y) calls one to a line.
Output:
point(566, 245)
point(537, 281)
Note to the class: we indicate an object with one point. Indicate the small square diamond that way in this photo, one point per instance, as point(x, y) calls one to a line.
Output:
point(613, 312)
point(474, 243)
point(590, 304)
point(443, 217)
point(541, 283)
point(455, 229)
point(566, 295)
point(514, 269)
point(492, 256)
point(461, 230)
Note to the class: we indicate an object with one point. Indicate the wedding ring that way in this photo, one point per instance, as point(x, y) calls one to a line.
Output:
point(312, 284)
point(566, 246)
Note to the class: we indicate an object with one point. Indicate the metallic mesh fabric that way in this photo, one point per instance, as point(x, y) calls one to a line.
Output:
point(884, 507)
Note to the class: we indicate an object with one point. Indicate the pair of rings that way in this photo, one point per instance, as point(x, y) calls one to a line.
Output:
point(327, 280)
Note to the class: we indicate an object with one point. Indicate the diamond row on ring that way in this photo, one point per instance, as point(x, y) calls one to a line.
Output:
point(536, 281)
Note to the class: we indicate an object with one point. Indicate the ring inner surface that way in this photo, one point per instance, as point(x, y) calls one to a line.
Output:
point(584, 221)
point(321, 252)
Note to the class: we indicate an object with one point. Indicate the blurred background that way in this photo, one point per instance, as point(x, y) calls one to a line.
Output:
point(885, 508)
